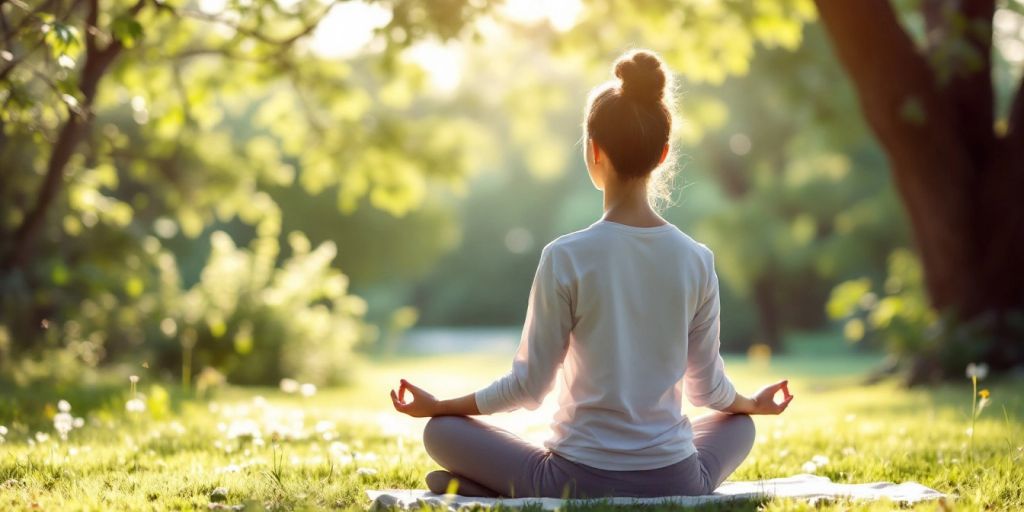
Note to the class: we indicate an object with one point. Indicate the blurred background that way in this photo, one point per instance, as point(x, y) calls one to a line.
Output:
point(251, 190)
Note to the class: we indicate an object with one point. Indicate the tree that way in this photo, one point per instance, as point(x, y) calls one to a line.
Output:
point(957, 164)
point(126, 125)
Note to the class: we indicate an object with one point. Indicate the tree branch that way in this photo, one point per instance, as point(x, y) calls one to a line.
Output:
point(260, 36)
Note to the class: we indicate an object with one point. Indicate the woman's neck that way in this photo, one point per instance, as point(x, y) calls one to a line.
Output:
point(625, 202)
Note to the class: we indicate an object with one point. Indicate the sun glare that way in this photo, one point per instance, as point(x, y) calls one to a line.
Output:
point(348, 28)
point(561, 14)
point(443, 63)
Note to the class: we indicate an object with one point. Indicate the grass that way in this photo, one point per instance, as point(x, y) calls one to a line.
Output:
point(201, 455)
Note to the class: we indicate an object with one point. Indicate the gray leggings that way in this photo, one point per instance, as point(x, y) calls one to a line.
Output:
point(490, 462)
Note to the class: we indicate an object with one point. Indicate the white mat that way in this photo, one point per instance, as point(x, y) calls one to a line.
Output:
point(812, 488)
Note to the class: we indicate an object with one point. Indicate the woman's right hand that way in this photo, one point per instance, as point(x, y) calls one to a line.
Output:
point(764, 399)
point(763, 402)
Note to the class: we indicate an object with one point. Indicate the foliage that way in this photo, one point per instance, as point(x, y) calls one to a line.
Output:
point(196, 119)
point(896, 312)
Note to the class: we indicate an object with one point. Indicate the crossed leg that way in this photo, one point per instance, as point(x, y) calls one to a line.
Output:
point(488, 461)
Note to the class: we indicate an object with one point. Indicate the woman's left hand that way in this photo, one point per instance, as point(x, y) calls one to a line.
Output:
point(423, 404)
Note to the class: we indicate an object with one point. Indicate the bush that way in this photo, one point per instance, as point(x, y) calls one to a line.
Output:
point(251, 317)
point(929, 343)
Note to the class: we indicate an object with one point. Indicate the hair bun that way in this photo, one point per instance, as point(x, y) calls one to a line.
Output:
point(642, 75)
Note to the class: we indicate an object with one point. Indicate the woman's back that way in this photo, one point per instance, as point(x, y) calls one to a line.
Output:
point(634, 294)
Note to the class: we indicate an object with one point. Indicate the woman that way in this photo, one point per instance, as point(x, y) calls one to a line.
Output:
point(629, 308)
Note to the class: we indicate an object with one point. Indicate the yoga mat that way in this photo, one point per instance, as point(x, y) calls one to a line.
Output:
point(812, 488)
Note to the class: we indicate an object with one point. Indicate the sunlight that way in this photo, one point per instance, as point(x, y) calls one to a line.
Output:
point(348, 28)
point(443, 63)
point(561, 14)
point(1008, 36)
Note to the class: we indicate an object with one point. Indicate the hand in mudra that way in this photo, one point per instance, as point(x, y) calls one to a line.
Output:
point(423, 404)
point(764, 399)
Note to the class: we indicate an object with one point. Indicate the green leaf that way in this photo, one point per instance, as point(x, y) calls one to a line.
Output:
point(846, 296)
point(127, 30)
point(59, 37)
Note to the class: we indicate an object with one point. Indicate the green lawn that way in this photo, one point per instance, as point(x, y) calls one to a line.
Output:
point(334, 445)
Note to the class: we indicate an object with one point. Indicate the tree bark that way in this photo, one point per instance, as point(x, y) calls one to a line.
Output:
point(958, 179)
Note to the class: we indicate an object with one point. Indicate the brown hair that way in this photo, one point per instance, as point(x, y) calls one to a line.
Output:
point(631, 119)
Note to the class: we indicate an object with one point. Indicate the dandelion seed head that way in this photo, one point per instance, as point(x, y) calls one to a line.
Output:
point(977, 370)
point(63, 406)
point(134, 379)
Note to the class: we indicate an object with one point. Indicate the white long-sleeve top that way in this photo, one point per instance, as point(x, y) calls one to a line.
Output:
point(632, 316)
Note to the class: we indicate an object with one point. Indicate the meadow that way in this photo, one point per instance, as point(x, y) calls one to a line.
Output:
point(264, 448)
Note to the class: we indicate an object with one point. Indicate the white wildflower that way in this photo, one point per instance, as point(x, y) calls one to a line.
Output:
point(63, 406)
point(289, 385)
point(809, 467)
point(366, 456)
point(338, 448)
point(245, 429)
point(42, 438)
point(135, 405)
point(78, 422)
point(63, 422)
point(134, 379)
point(308, 389)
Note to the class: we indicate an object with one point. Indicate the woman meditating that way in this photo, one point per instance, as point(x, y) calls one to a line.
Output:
point(629, 309)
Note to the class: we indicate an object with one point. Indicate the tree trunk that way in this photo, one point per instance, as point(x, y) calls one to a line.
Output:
point(97, 60)
point(958, 179)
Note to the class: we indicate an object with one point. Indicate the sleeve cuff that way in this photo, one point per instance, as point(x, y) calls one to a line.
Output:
point(481, 402)
point(727, 398)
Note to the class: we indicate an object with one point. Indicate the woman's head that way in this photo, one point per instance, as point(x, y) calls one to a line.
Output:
point(629, 121)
